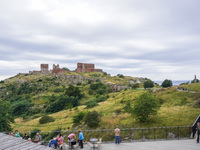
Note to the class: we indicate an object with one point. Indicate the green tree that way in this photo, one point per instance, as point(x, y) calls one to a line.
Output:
point(120, 75)
point(92, 119)
point(167, 83)
point(148, 84)
point(46, 119)
point(146, 104)
point(193, 81)
point(78, 117)
point(127, 107)
point(73, 91)
point(135, 85)
point(5, 117)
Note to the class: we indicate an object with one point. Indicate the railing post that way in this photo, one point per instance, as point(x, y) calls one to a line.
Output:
point(154, 130)
point(166, 133)
point(178, 132)
point(142, 134)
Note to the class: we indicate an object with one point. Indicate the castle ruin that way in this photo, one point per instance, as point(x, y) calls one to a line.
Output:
point(81, 67)
point(84, 67)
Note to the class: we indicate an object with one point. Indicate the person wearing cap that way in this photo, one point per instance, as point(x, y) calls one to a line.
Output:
point(29, 139)
point(38, 138)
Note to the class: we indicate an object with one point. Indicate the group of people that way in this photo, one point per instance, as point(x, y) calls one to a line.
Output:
point(37, 139)
point(58, 141)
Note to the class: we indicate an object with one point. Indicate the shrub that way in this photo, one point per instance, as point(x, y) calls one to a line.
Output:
point(90, 92)
point(127, 107)
point(92, 119)
point(73, 91)
point(167, 83)
point(21, 107)
point(92, 103)
point(46, 119)
point(135, 85)
point(118, 111)
point(146, 104)
point(120, 75)
point(78, 117)
point(148, 84)
point(101, 98)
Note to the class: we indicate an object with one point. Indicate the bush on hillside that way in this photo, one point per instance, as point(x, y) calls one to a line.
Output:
point(135, 85)
point(127, 107)
point(92, 119)
point(63, 102)
point(193, 81)
point(120, 75)
point(5, 117)
point(145, 105)
point(46, 119)
point(167, 83)
point(92, 103)
point(79, 117)
point(73, 91)
point(21, 107)
point(148, 84)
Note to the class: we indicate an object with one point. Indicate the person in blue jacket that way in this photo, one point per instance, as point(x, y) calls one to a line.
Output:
point(81, 139)
point(54, 142)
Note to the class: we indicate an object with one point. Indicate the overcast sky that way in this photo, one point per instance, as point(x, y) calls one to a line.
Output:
point(158, 39)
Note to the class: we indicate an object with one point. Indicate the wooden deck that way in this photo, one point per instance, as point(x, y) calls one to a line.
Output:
point(8, 142)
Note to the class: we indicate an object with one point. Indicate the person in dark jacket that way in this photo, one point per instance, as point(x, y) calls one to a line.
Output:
point(198, 131)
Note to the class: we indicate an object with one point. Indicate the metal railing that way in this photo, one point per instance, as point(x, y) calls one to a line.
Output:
point(127, 135)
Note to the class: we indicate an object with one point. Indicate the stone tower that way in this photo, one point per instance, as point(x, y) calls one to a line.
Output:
point(44, 68)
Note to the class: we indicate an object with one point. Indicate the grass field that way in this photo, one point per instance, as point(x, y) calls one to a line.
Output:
point(177, 110)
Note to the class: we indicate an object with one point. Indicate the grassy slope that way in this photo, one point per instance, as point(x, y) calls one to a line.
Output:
point(172, 112)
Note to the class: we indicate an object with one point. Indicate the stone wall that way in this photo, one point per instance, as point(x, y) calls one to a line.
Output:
point(44, 68)
point(82, 67)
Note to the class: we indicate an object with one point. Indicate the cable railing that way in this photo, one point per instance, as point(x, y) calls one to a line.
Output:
point(127, 134)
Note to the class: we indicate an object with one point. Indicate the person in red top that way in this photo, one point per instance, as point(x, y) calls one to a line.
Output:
point(60, 139)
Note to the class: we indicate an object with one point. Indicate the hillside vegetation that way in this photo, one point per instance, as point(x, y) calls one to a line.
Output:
point(68, 98)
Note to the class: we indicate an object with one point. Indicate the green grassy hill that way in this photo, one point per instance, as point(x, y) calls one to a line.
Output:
point(177, 108)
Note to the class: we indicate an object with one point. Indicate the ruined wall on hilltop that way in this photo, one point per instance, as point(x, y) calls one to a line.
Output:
point(44, 68)
point(82, 67)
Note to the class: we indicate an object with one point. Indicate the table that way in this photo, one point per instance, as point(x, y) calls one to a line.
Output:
point(94, 140)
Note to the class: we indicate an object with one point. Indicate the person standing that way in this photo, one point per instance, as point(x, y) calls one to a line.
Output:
point(198, 131)
point(117, 135)
point(81, 138)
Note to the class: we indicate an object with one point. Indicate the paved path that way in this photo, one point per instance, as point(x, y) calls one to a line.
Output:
point(154, 145)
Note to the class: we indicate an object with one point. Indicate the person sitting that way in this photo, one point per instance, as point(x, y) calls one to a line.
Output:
point(29, 139)
point(54, 142)
point(38, 138)
point(26, 136)
point(17, 133)
point(11, 133)
point(60, 140)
